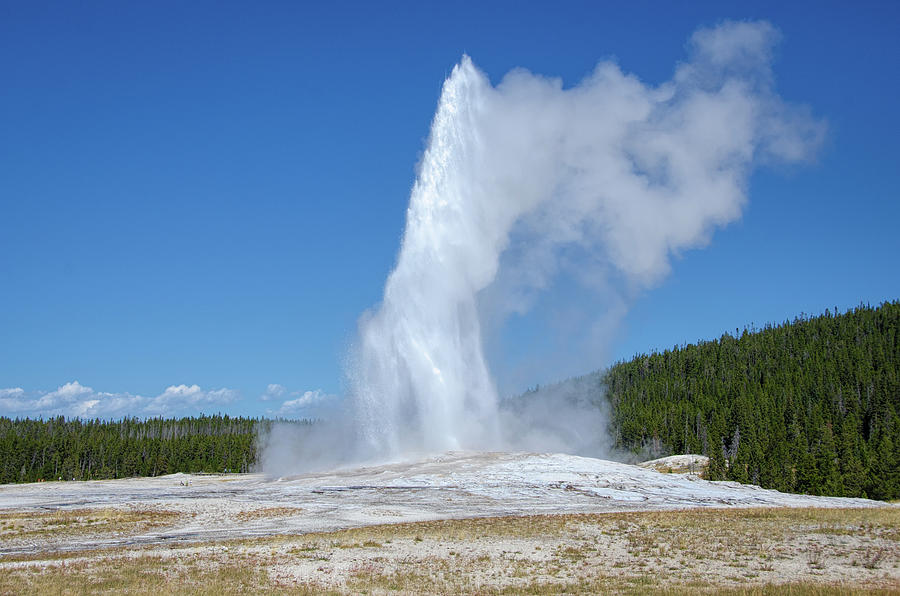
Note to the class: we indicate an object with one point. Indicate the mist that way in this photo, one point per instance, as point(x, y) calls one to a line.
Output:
point(529, 182)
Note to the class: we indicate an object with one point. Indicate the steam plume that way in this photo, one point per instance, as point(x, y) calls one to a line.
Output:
point(611, 177)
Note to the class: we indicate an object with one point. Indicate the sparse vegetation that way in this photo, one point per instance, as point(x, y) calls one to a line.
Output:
point(143, 575)
point(107, 520)
point(268, 512)
point(751, 551)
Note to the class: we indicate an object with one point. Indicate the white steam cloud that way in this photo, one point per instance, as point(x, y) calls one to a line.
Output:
point(527, 182)
point(609, 178)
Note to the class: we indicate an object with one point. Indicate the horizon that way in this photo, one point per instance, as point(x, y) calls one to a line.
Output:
point(276, 417)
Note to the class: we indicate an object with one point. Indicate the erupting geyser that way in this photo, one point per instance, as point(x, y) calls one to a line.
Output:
point(611, 177)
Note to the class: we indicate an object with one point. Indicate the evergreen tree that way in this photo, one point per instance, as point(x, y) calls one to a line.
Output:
point(812, 405)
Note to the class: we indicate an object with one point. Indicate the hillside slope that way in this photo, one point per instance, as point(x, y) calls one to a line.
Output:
point(810, 406)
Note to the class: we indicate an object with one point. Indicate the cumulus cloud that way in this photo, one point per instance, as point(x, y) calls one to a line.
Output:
point(273, 391)
point(12, 399)
point(66, 395)
point(302, 404)
point(76, 400)
point(191, 396)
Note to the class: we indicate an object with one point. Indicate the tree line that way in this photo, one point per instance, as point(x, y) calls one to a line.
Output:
point(75, 449)
point(808, 406)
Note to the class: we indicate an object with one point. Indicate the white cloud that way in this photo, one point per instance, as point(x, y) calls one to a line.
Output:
point(192, 396)
point(11, 392)
point(309, 398)
point(273, 391)
point(11, 399)
point(305, 404)
point(76, 400)
point(736, 43)
point(68, 394)
point(86, 406)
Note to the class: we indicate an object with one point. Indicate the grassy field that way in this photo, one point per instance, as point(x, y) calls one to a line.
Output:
point(734, 551)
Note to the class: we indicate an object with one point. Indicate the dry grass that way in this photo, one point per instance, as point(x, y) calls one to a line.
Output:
point(144, 575)
point(268, 512)
point(667, 551)
point(153, 575)
point(743, 525)
point(750, 551)
point(28, 525)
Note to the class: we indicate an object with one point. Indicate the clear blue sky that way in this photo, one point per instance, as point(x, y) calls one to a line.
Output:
point(210, 194)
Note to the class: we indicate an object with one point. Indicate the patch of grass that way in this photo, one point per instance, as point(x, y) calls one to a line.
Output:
point(873, 557)
point(268, 512)
point(366, 544)
point(815, 556)
point(305, 548)
point(66, 522)
point(672, 552)
point(805, 588)
point(144, 575)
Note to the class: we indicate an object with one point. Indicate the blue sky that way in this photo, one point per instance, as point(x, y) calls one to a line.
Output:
point(198, 200)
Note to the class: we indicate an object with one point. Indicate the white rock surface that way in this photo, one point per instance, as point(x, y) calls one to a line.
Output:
point(453, 485)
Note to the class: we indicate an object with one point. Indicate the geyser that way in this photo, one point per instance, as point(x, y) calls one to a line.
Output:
point(610, 177)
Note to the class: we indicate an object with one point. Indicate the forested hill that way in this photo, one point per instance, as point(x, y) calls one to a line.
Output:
point(810, 406)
